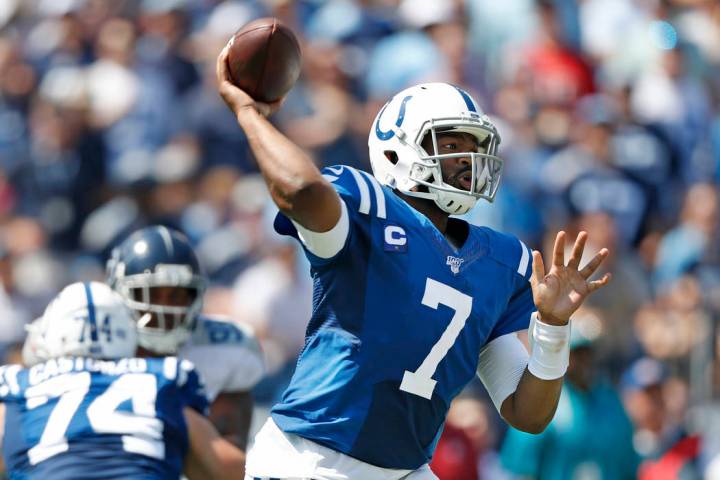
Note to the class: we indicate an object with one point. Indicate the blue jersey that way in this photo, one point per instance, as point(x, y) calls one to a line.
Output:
point(81, 418)
point(399, 318)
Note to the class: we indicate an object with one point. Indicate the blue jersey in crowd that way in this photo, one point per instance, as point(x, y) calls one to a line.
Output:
point(399, 318)
point(82, 418)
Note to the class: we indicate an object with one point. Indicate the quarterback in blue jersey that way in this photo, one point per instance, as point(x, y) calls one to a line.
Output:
point(93, 411)
point(158, 274)
point(408, 303)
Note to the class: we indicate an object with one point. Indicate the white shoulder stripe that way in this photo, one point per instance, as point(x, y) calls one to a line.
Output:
point(379, 195)
point(336, 170)
point(170, 366)
point(524, 259)
point(364, 192)
point(10, 374)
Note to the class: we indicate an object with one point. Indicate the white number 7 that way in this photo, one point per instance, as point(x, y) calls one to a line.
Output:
point(420, 381)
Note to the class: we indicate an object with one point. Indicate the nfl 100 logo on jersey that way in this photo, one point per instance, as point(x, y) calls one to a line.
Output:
point(454, 263)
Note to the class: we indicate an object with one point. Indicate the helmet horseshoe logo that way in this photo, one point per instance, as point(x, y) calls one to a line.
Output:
point(398, 122)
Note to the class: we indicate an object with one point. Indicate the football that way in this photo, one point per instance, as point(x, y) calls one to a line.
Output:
point(264, 59)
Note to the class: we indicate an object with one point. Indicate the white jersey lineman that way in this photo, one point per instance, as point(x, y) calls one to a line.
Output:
point(226, 354)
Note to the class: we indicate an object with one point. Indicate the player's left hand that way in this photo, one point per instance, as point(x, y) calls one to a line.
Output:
point(561, 291)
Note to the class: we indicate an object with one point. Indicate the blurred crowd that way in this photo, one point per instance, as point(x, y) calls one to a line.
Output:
point(609, 113)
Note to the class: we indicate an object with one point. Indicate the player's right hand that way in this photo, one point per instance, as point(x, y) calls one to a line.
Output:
point(235, 98)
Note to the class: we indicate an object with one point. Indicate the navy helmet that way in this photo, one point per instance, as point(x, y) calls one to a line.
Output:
point(158, 257)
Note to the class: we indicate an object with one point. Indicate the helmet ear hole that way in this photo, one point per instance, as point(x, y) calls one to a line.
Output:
point(392, 156)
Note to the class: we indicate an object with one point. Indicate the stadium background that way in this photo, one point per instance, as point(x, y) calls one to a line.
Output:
point(610, 118)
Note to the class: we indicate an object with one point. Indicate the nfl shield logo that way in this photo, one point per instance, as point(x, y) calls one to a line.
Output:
point(454, 263)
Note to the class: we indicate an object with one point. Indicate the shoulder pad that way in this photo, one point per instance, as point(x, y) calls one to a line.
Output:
point(9, 384)
point(510, 251)
point(360, 190)
point(221, 331)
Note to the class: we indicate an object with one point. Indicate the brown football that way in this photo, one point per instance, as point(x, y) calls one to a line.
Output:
point(264, 59)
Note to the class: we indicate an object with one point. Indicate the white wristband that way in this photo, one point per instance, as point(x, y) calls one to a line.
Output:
point(549, 349)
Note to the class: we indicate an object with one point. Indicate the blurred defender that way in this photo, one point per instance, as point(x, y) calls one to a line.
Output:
point(93, 411)
point(157, 273)
point(407, 302)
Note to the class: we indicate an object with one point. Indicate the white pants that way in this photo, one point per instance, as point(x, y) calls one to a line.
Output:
point(279, 455)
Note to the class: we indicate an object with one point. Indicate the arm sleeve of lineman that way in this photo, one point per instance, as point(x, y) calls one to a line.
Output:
point(9, 391)
point(361, 197)
point(501, 365)
point(9, 386)
point(189, 384)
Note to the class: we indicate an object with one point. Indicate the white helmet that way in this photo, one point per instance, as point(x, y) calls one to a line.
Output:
point(34, 351)
point(401, 126)
point(85, 320)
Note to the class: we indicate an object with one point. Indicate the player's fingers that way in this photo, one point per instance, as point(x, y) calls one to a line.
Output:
point(596, 284)
point(221, 68)
point(593, 264)
point(577, 250)
point(538, 268)
point(272, 107)
point(559, 250)
point(265, 109)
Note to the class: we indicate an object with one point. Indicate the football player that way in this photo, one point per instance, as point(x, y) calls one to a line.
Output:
point(409, 303)
point(92, 411)
point(158, 274)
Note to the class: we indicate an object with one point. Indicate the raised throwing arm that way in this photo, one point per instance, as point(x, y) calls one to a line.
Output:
point(296, 185)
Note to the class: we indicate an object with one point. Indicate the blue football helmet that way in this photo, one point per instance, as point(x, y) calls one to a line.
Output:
point(156, 257)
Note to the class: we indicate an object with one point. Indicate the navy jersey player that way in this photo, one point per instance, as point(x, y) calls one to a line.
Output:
point(92, 411)
point(408, 303)
point(158, 274)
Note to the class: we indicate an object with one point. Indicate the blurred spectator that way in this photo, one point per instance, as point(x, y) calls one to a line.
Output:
point(455, 457)
point(12, 315)
point(316, 115)
point(676, 323)
point(694, 240)
point(677, 101)
point(466, 447)
point(590, 435)
point(556, 73)
point(585, 176)
point(668, 453)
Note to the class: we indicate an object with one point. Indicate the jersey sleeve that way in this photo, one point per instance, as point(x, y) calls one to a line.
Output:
point(9, 384)
point(517, 257)
point(516, 316)
point(191, 388)
point(363, 198)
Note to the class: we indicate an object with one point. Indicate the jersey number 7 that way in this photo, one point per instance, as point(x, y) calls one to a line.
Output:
point(420, 382)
